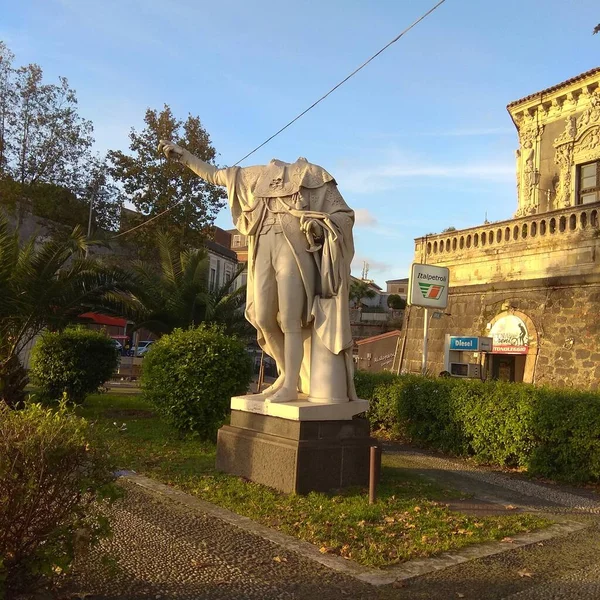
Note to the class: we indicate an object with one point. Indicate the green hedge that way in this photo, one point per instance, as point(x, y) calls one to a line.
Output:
point(191, 375)
point(551, 432)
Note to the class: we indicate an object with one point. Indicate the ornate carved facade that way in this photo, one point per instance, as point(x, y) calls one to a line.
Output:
point(559, 129)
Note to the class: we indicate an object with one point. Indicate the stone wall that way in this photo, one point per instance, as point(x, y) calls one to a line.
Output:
point(562, 318)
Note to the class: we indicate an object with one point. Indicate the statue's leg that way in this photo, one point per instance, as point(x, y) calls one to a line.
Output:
point(291, 299)
point(267, 305)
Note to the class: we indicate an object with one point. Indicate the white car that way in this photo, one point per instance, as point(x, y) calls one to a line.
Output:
point(144, 346)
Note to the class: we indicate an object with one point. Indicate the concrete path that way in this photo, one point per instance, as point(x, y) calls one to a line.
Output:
point(169, 545)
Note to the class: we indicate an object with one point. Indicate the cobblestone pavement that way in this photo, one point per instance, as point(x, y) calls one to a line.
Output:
point(165, 549)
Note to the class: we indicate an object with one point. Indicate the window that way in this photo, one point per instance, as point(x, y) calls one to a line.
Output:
point(213, 278)
point(237, 241)
point(588, 183)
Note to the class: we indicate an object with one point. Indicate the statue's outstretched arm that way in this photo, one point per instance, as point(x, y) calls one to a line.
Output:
point(202, 169)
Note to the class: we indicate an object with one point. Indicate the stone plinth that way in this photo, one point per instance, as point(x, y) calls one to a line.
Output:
point(293, 455)
point(301, 410)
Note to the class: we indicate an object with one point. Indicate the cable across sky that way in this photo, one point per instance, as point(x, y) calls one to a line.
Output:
point(300, 115)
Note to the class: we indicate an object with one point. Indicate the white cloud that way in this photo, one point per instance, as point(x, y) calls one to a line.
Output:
point(364, 218)
point(374, 265)
point(393, 173)
point(458, 132)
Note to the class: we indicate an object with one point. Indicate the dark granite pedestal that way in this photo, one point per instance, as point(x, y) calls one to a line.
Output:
point(295, 456)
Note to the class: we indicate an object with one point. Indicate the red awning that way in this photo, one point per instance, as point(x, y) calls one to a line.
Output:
point(104, 319)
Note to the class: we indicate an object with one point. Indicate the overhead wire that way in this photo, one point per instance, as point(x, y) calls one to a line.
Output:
point(300, 115)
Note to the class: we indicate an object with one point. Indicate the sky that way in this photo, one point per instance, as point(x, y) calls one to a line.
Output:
point(418, 141)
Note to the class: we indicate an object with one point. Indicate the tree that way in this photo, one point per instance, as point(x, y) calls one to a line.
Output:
point(6, 101)
point(50, 141)
point(45, 158)
point(360, 289)
point(100, 190)
point(396, 302)
point(47, 286)
point(153, 184)
point(178, 295)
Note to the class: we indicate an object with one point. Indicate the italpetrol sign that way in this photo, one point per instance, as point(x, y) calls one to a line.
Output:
point(428, 286)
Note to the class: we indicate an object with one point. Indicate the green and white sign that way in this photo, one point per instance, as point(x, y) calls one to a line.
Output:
point(428, 286)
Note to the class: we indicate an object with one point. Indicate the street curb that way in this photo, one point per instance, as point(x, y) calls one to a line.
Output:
point(375, 577)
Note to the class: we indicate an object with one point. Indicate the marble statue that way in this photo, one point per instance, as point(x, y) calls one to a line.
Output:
point(300, 247)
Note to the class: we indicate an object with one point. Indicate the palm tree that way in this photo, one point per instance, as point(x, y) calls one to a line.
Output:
point(360, 289)
point(48, 285)
point(178, 295)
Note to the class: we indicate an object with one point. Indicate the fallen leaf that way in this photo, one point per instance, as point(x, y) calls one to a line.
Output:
point(460, 595)
point(200, 564)
point(279, 559)
point(524, 573)
point(510, 507)
point(323, 550)
point(389, 520)
point(361, 523)
point(507, 540)
point(540, 543)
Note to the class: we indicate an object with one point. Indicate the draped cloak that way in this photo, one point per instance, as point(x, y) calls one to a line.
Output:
point(300, 186)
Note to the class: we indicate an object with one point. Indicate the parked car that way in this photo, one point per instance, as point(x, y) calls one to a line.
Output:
point(118, 346)
point(144, 346)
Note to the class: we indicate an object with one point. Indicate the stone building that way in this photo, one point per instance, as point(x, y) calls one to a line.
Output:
point(223, 260)
point(531, 282)
point(398, 286)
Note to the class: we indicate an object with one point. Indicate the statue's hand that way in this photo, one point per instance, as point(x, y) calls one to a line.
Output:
point(314, 226)
point(172, 151)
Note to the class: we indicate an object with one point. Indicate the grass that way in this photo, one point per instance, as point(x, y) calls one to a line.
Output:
point(410, 519)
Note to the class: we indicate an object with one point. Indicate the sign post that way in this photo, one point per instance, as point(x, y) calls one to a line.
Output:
point(428, 287)
point(425, 341)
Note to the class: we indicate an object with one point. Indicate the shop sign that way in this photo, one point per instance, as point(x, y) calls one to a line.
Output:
point(510, 336)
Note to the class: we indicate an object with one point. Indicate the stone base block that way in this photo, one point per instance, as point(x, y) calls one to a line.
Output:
point(295, 456)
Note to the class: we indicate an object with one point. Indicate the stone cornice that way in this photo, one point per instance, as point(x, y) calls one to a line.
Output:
point(554, 103)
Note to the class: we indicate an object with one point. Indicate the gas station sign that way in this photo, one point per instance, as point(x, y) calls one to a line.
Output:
point(428, 286)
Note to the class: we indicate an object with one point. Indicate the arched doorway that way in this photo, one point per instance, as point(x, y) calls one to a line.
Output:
point(515, 347)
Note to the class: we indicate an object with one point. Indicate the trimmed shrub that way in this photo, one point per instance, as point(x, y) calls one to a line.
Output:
point(53, 474)
point(567, 431)
point(75, 362)
point(550, 432)
point(427, 410)
point(191, 375)
point(383, 392)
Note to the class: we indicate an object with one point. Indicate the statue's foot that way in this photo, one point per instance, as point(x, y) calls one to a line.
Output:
point(276, 385)
point(283, 395)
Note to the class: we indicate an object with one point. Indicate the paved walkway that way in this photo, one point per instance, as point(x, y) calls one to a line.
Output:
point(178, 547)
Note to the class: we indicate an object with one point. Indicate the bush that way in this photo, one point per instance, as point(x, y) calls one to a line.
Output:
point(75, 361)
point(566, 425)
point(191, 375)
point(550, 432)
point(52, 475)
point(396, 302)
point(382, 390)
